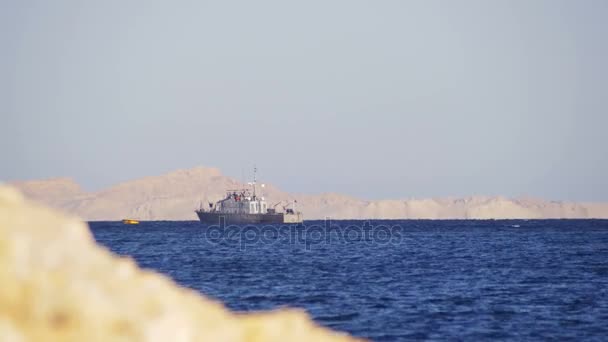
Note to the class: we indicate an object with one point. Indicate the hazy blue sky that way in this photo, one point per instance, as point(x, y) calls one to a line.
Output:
point(378, 99)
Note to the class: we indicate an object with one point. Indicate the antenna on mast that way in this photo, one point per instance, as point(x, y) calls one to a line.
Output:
point(255, 169)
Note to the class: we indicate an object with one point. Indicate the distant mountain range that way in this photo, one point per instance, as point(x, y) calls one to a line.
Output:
point(175, 196)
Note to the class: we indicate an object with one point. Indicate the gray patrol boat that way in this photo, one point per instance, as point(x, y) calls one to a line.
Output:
point(244, 206)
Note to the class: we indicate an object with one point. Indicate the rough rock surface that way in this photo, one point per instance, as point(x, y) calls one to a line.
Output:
point(175, 196)
point(56, 284)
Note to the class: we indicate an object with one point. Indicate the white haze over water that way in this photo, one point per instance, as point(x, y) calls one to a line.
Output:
point(378, 99)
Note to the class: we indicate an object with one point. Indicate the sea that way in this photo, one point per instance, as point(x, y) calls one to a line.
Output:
point(396, 279)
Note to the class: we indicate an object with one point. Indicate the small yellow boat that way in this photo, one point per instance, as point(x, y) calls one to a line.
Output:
point(130, 221)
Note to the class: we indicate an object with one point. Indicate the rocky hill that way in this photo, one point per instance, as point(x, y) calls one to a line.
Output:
point(175, 196)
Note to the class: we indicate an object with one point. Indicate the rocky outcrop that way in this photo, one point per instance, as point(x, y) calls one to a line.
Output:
point(175, 196)
point(58, 285)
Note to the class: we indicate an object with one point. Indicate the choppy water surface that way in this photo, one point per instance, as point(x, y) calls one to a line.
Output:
point(416, 280)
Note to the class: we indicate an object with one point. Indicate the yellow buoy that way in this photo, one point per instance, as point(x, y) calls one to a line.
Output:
point(130, 221)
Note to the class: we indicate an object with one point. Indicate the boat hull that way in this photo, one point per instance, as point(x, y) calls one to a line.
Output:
point(130, 221)
point(214, 218)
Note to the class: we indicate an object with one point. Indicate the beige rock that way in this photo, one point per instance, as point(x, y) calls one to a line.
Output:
point(58, 285)
point(503, 208)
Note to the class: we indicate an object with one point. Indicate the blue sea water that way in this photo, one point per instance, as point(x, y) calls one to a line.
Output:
point(394, 280)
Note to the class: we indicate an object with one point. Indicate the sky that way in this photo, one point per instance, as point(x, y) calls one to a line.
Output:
point(375, 99)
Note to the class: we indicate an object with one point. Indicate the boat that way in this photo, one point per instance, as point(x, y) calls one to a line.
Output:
point(245, 206)
point(130, 221)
